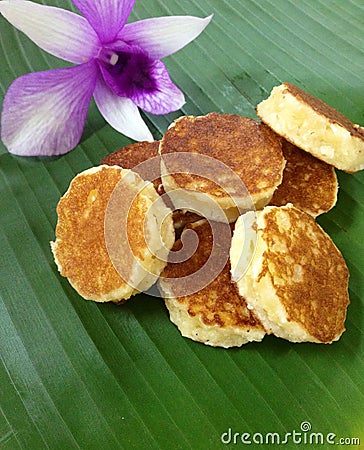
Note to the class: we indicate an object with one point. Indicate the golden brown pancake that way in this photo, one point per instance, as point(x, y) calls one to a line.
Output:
point(308, 183)
point(314, 126)
point(248, 156)
point(215, 314)
point(297, 281)
point(133, 155)
point(100, 265)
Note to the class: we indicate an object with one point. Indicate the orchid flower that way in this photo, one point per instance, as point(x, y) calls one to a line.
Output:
point(119, 64)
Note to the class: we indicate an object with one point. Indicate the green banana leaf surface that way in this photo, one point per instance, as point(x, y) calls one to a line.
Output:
point(79, 375)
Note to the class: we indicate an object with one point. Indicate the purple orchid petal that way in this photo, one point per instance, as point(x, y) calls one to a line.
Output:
point(55, 30)
point(158, 94)
point(163, 36)
point(145, 81)
point(121, 113)
point(107, 17)
point(44, 112)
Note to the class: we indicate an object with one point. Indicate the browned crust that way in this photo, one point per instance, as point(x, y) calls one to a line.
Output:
point(131, 156)
point(219, 303)
point(310, 278)
point(324, 109)
point(308, 183)
point(251, 149)
point(80, 246)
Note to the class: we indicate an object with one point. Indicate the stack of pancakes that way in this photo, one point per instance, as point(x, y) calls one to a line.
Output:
point(222, 213)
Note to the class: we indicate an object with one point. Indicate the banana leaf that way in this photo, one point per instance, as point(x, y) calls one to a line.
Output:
point(80, 375)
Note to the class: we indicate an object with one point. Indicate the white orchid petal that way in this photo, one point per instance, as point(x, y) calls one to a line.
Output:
point(163, 36)
point(121, 113)
point(62, 33)
point(44, 112)
point(107, 17)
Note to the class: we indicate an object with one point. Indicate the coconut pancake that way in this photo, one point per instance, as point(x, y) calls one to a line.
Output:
point(314, 126)
point(297, 281)
point(213, 312)
point(131, 156)
point(143, 158)
point(232, 161)
point(104, 235)
point(308, 183)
